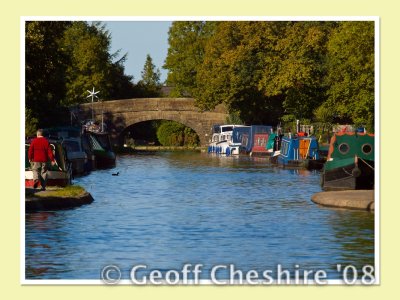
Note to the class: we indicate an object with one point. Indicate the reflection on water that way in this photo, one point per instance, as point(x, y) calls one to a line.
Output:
point(165, 210)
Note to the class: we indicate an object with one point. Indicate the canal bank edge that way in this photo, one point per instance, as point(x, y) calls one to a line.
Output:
point(46, 200)
point(349, 199)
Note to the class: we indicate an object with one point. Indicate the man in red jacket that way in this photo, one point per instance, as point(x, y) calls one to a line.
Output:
point(39, 154)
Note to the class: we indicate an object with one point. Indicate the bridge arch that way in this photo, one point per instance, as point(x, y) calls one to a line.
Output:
point(120, 114)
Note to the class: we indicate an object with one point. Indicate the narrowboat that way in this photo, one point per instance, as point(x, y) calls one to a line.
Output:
point(100, 146)
point(72, 143)
point(76, 155)
point(350, 163)
point(300, 151)
point(58, 175)
point(97, 140)
point(254, 142)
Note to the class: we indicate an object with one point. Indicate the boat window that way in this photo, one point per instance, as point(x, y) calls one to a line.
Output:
point(227, 128)
point(366, 148)
point(344, 148)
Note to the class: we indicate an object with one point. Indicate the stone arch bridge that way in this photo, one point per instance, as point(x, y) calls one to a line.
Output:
point(120, 114)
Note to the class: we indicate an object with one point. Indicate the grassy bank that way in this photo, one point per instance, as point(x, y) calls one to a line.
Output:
point(68, 191)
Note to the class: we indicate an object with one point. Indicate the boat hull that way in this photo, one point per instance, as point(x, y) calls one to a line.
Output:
point(54, 178)
point(349, 177)
point(104, 160)
point(78, 166)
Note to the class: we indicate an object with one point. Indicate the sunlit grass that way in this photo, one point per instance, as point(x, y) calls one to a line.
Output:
point(68, 191)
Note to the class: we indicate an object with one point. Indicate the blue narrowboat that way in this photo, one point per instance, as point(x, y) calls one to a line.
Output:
point(300, 151)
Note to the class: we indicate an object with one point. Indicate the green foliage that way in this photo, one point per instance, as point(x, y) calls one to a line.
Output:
point(31, 123)
point(324, 117)
point(45, 65)
point(269, 72)
point(87, 47)
point(351, 72)
point(171, 133)
point(234, 118)
point(295, 68)
point(63, 60)
point(185, 54)
point(150, 85)
point(232, 68)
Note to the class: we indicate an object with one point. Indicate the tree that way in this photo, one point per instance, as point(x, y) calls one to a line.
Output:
point(232, 69)
point(62, 61)
point(268, 72)
point(31, 123)
point(171, 133)
point(185, 54)
point(150, 84)
point(45, 65)
point(295, 68)
point(87, 47)
point(350, 76)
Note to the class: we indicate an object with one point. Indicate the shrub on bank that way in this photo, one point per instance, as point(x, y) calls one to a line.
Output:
point(171, 133)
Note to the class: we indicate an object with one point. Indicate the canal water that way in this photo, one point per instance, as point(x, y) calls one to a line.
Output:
point(165, 210)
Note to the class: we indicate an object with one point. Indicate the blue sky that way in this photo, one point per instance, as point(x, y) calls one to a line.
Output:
point(139, 38)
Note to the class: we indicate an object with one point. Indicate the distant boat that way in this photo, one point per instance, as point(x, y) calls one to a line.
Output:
point(99, 144)
point(221, 139)
point(254, 142)
point(350, 163)
point(237, 138)
point(58, 175)
point(300, 151)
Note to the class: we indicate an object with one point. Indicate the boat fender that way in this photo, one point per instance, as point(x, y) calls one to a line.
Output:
point(356, 172)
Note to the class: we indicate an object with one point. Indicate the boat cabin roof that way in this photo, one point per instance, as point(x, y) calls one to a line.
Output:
point(349, 144)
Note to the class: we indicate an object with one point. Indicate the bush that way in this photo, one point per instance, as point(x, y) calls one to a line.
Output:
point(171, 133)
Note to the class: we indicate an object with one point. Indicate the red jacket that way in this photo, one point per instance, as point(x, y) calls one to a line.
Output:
point(40, 150)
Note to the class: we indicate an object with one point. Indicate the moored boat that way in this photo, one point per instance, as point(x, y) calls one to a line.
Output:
point(300, 152)
point(76, 155)
point(98, 140)
point(237, 137)
point(260, 139)
point(72, 142)
point(350, 163)
point(58, 175)
point(254, 142)
point(222, 139)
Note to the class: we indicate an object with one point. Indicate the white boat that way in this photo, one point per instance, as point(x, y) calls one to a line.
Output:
point(226, 139)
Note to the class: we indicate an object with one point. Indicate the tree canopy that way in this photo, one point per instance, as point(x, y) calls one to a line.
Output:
point(267, 72)
point(62, 61)
point(150, 84)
